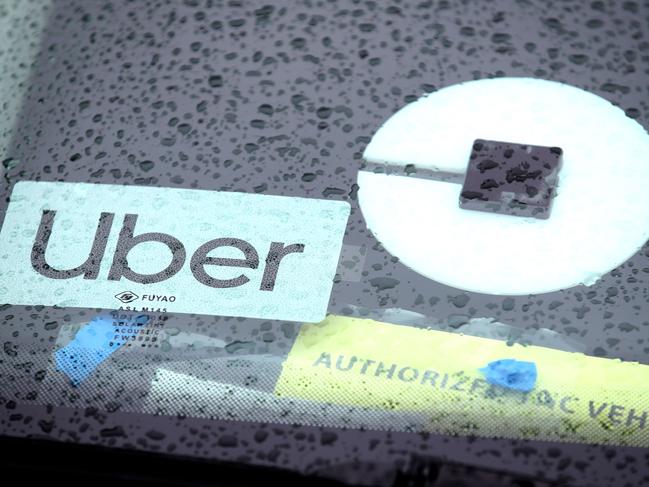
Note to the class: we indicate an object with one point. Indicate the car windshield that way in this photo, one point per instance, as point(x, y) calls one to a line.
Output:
point(344, 239)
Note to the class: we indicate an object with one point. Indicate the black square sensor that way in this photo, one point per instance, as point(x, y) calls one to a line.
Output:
point(512, 179)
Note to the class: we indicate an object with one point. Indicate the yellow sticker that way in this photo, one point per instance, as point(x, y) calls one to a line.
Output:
point(576, 398)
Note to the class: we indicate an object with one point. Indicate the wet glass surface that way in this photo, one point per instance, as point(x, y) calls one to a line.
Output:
point(281, 100)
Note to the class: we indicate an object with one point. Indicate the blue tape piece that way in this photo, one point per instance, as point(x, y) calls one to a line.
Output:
point(512, 374)
point(93, 344)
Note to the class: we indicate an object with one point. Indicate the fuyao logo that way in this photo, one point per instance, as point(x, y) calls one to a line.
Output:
point(126, 296)
point(209, 252)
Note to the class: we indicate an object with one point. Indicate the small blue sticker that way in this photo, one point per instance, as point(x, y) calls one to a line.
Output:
point(93, 344)
point(512, 374)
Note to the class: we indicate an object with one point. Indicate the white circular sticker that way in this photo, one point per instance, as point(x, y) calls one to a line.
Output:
point(599, 217)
